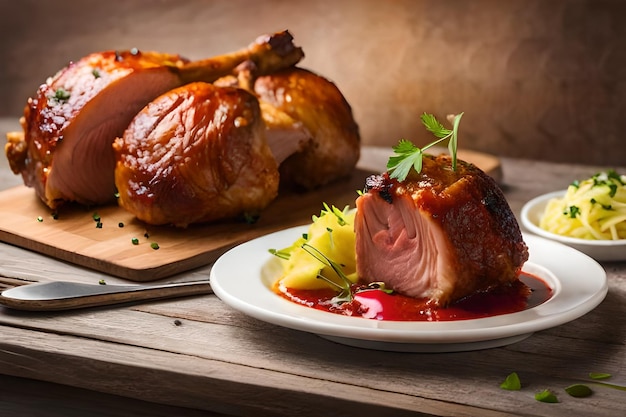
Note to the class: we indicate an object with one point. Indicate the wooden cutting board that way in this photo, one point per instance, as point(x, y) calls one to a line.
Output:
point(74, 236)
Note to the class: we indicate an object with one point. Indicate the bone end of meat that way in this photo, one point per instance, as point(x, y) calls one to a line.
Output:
point(16, 150)
point(440, 234)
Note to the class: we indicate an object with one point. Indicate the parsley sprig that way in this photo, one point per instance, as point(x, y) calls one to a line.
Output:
point(407, 155)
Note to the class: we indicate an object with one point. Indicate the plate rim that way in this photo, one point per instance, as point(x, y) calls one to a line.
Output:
point(297, 317)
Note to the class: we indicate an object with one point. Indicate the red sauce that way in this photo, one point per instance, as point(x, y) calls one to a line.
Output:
point(529, 291)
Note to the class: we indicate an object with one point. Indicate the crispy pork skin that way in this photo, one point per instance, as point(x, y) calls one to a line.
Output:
point(196, 154)
point(440, 234)
point(316, 109)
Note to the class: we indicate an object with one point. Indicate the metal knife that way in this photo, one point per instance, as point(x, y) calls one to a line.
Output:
point(64, 295)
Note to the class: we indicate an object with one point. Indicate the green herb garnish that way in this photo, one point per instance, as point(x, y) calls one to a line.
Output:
point(512, 382)
point(599, 375)
point(61, 94)
point(609, 385)
point(282, 254)
point(408, 156)
point(39, 219)
point(135, 241)
point(546, 396)
point(102, 282)
point(572, 211)
point(612, 174)
point(579, 390)
point(154, 245)
point(609, 179)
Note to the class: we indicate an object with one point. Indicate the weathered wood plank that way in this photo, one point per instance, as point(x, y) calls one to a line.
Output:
point(202, 384)
point(209, 331)
point(32, 398)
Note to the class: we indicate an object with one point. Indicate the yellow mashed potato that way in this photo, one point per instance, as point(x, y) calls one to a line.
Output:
point(330, 238)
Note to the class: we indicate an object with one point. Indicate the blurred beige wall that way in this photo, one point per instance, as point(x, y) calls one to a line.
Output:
point(541, 79)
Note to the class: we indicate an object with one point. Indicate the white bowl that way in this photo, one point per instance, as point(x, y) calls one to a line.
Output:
point(600, 250)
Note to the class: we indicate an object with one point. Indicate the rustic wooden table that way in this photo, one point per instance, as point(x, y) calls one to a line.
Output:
point(196, 356)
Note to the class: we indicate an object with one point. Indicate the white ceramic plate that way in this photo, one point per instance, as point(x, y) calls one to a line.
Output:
point(243, 276)
point(601, 250)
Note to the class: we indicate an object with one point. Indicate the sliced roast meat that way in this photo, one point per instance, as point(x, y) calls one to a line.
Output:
point(440, 234)
point(71, 122)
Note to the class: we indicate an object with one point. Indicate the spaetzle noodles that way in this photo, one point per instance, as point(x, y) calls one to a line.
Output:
point(591, 209)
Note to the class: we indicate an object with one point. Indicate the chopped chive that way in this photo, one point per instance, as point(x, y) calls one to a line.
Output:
point(61, 94)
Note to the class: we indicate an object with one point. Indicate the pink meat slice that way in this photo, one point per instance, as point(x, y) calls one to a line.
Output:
point(76, 115)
